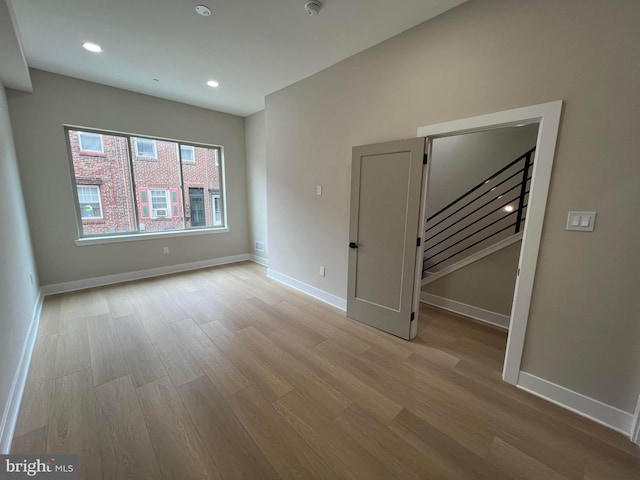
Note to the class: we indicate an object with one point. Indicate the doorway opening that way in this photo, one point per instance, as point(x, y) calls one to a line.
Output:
point(547, 116)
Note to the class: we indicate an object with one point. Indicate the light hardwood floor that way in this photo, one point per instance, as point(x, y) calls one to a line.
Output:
point(225, 374)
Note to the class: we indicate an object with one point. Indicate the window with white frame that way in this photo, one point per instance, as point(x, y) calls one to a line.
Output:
point(159, 203)
point(217, 209)
point(90, 142)
point(89, 201)
point(188, 153)
point(146, 147)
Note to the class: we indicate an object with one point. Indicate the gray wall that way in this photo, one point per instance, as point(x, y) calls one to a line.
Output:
point(18, 294)
point(460, 162)
point(482, 57)
point(38, 121)
point(254, 128)
point(487, 283)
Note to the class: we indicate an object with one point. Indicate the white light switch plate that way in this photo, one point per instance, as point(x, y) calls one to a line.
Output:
point(581, 221)
point(318, 190)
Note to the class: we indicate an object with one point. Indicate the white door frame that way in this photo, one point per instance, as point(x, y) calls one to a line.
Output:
point(548, 117)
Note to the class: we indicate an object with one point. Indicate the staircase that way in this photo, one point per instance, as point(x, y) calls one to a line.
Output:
point(489, 216)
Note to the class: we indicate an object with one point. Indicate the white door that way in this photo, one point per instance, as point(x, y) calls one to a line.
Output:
point(386, 181)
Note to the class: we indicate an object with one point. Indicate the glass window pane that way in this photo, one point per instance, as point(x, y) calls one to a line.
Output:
point(158, 185)
point(90, 142)
point(104, 183)
point(201, 180)
point(188, 153)
point(146, 148)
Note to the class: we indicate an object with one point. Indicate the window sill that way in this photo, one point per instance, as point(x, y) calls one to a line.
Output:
point(82, 242)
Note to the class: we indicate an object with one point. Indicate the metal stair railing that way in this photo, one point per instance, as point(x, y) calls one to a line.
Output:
point(467, 222)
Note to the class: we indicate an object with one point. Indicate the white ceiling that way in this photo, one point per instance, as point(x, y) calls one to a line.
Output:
point(252, 47)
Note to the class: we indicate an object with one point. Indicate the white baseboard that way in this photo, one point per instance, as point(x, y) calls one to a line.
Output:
point(137, 275)
point(486, 316)
point(12, 408)
point(259, 260)
point(326, 297)
point(595, 410)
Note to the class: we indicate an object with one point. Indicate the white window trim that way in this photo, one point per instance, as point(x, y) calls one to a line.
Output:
point(82, 149)
point(97, 187)
point(155, 147)
point(188, 147)
point(167, 201)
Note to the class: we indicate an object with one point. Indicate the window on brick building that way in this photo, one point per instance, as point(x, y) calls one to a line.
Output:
point(90, 142)
point(159, 203)
point(131, 195)
point(188, 153)
point(89, 201)
point(146, 147)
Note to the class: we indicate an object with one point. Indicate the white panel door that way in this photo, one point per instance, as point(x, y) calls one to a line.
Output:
point(386, 181)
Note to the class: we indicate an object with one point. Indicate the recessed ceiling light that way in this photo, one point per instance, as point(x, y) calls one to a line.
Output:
point(92, 47)
point(508, 208)
point(213, 83)
point(203, 10)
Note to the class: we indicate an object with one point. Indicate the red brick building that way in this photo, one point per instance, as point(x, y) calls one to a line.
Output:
point(170, 194)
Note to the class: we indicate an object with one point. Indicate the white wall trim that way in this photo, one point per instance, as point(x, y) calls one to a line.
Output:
point(472, 258)
point(259, 260)
point(635, 428)
point(595, 410)
point(486, 316)
point(139, 274)
point(12, 408)
point(548, 117)
point(326, 297)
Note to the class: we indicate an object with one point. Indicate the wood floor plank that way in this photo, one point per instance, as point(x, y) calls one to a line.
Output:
point(289, 455)
point(32, 443)
point(267, 380)
point(36, 399)
point(72, 427)
point(125, 444)
point(50, 315)
point(179, 449)
point(143, 362)
point(238, 456)
point(72, 352)
point(370, 399)
point(317, 323)
point(398, 456)
point(335, 447)
point(175, 356)
point(518, 464)
point(320, 393)
point(227, 378)
point(107, 359)
point(453, 458)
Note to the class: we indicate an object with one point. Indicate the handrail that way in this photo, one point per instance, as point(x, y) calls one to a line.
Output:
point(511, 164)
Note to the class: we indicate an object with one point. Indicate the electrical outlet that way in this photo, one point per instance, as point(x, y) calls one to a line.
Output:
point(166, 250)
point(259, 246)
point(322, 271)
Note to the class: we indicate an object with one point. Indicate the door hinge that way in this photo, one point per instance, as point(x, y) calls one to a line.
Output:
point(413, 316)
point(424, 159)
point(418, 242)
